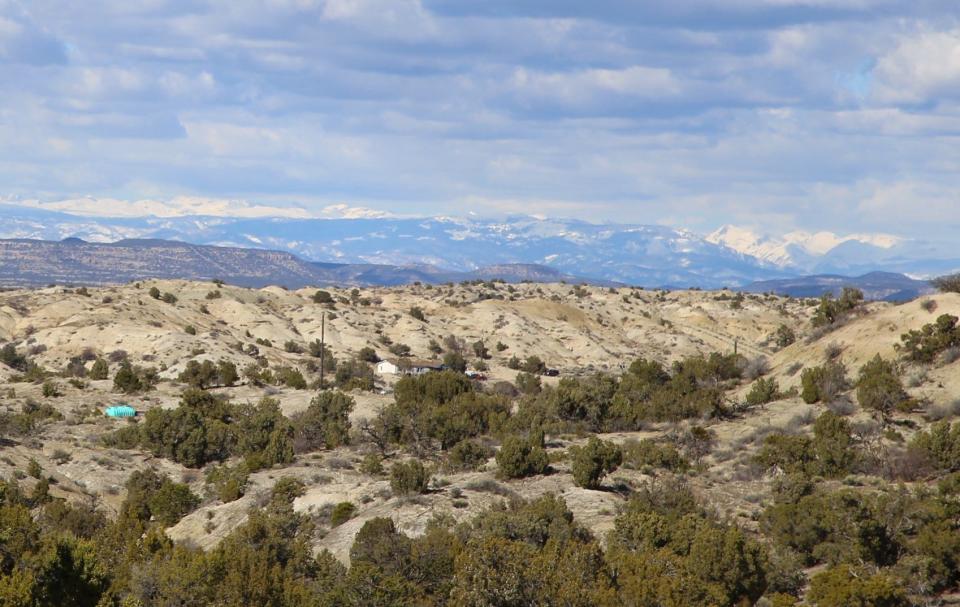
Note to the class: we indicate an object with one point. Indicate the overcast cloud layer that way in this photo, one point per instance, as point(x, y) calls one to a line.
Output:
point(815, 114)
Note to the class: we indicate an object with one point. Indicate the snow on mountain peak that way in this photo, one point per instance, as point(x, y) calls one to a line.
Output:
point(788, 250)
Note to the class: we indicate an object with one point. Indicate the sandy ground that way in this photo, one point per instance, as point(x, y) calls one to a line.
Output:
point(603, 330)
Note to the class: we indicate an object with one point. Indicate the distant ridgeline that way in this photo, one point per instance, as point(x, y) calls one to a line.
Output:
point(26, 263)
point(29, 263)
point(878, 286)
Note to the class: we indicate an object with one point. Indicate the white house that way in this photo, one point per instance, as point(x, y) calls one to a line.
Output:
point(407, 366)
point(386, 367)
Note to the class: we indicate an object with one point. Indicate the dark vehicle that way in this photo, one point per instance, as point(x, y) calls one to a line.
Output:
point(551, 372)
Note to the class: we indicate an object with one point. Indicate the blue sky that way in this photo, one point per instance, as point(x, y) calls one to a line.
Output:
point(782, 114)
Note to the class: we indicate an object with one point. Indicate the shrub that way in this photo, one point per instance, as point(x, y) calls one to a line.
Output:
point(756, 367)
point(698, 561)
point(290, 377)
point(843, 586)
point(528, 383)
point(455, 362)
point(842, 526)
point(99, 370)
point(593, 461)
point(833, 445)
point(317, 349)
point(467, 455)
point(127, 437)
point(50, 389)
point(152, 495)
point(940, 445)
point(925, 344)
point(34, 469)
point(372, 465)
point(947, 284)
point(519, 457)
point(823, 383)
point(879, 387)
point(75, 368)
point(229, 483)
point(763, 391)
point(698, 441)
point(190, 330)
point(480, 350)
point(409, 477)
point(169, 298)
point(200, 375)
point(638, 454)
point(196, 432)
point(832, 351)
point(10, 357)
point(154, 292)
point(286, 489)
point(829, 453)
point(830, 311)
point(417, 312)
point(228, 373)
point(342, 512)
point(130, 379)
point(292, 347)
point(368, 354)
point(534, 365)
point(323, 297)
point(784, 336)
point(355, 374)
point(325, 424)
point(399, 349)
point(440, 407)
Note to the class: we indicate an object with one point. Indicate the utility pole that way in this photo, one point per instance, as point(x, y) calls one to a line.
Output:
point(323, 346)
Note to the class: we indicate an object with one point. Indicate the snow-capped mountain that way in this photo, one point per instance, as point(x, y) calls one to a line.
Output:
point(647, 255)
point(850, 254)
point(633, 254)
point(798, 249)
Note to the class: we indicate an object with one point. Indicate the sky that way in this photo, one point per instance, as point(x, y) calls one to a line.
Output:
point(841, 115)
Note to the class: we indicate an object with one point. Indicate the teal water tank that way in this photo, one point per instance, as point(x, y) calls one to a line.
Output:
point(121, 411)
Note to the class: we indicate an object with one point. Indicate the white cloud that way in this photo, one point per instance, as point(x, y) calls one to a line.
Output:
point(583, 87)
point(179, 206)
point(909, 203)
point(711, 112)
point(344, 211)
point(922, 67)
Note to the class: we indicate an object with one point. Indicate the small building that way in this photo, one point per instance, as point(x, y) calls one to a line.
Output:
point(121, 411)
point(419, 367)
point(407, 366)
point(387, 367)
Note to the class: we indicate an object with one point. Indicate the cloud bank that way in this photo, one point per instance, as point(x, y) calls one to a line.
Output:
point(787, 114)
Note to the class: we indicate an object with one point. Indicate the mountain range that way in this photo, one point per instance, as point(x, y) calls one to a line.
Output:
point(25, 263)
point(387, 250)
point(885, 286)
point(829, 253)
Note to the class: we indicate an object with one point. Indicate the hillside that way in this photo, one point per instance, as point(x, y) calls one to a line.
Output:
point(577, 330)
point(76, 262)
point(885, 286)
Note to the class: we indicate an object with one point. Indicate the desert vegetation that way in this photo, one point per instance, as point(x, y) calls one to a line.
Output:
point(582, 446)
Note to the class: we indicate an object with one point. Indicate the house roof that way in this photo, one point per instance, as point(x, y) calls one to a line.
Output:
point(415, 362)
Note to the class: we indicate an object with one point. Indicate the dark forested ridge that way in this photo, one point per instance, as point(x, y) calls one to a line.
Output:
point(76, 262)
